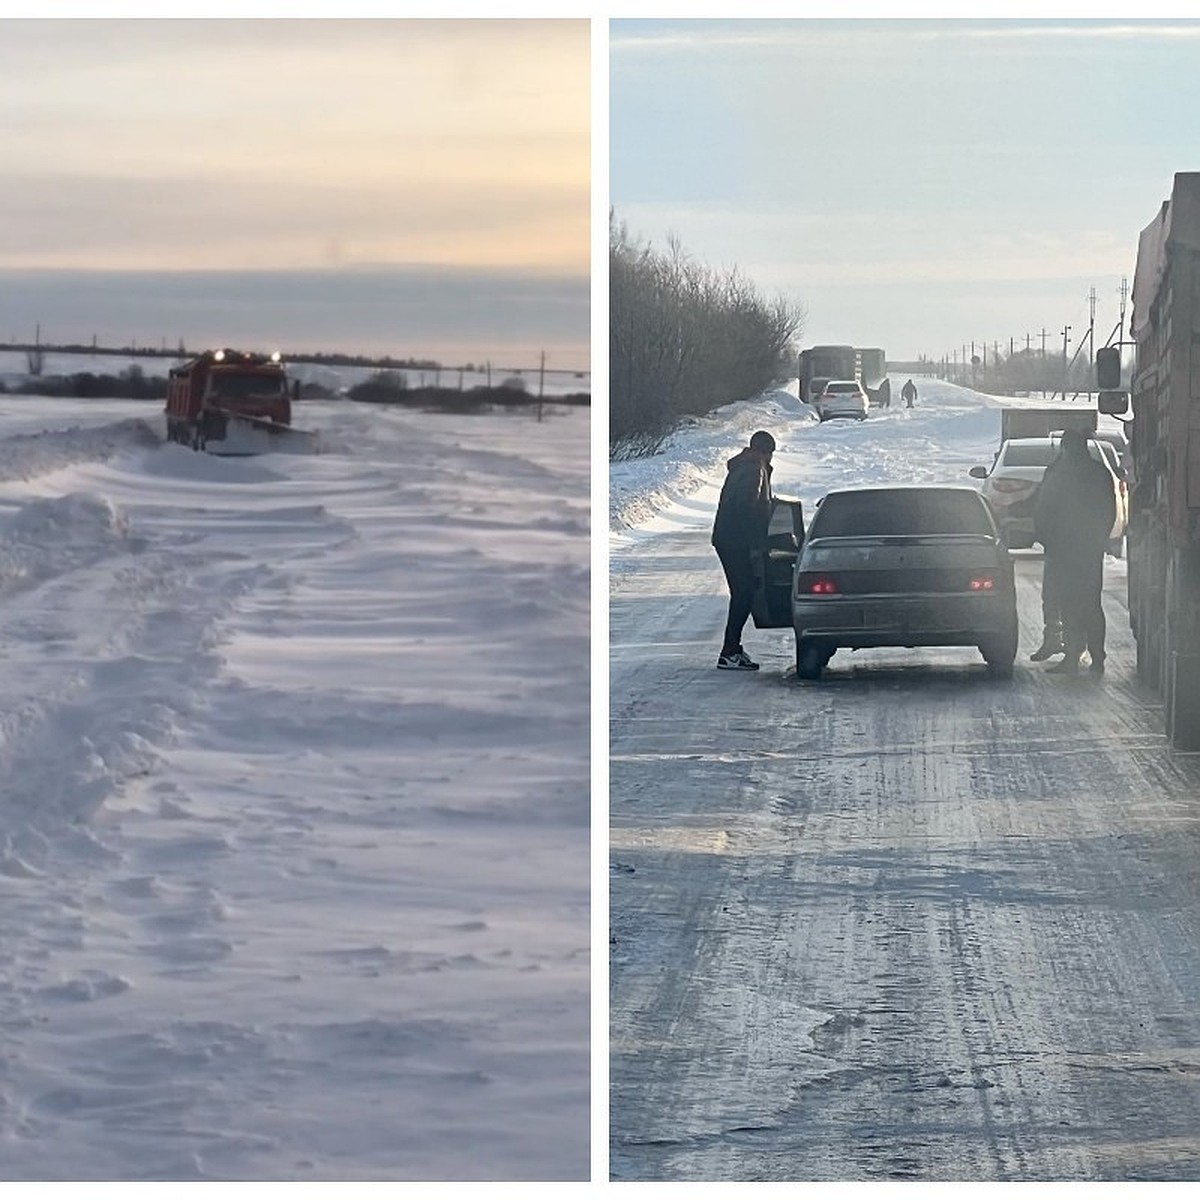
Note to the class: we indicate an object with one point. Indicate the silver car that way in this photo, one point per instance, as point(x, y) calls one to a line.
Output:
point(903, 566)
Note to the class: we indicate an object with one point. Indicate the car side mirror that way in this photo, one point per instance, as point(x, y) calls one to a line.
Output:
point(978, 472)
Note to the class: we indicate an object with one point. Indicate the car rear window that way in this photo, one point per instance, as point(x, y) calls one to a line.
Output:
point(842, 387)
point(886, 513)
point(1030, 454)
point(1042, 454)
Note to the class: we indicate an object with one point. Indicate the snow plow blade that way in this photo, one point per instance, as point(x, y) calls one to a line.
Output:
point(244, 435)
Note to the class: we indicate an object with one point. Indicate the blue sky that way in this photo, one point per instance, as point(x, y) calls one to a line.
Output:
point(411, 187)
point(914, 184)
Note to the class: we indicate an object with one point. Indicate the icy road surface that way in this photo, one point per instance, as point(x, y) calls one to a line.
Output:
point(293, 843)
point(906, 923)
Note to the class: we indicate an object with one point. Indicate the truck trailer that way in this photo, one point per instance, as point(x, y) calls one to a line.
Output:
point(820, 364)
point(1164, 433)
point(1018, 422)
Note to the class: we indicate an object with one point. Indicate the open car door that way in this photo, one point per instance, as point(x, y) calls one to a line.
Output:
point(775, 565)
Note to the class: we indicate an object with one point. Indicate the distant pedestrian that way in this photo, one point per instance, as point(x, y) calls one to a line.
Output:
point(909, 393)
point(739, 529)
point(885, 394)
point(1074, 513)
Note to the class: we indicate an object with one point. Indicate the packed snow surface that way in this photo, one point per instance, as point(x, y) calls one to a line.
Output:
point(294, 799)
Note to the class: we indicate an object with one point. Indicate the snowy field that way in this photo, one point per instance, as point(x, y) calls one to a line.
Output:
point(294, 799)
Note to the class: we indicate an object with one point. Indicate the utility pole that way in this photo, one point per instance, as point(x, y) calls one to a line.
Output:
point(1066, 339)
point(1091, 339)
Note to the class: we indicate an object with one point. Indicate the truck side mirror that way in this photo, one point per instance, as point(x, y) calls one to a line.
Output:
point(1112, 403)
point(1108, 369)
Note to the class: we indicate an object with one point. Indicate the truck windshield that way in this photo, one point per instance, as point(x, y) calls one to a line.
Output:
point(244, 384)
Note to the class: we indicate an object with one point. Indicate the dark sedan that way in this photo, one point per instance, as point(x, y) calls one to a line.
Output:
point(903, 566)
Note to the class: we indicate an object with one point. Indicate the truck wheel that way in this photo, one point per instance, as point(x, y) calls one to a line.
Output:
point(811, 658)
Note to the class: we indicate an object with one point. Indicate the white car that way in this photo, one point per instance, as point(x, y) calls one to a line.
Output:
point(1017, 470)
point(843, 398)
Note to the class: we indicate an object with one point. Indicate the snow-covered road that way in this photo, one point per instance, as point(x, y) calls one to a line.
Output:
point(293, 843)
point(906, 923)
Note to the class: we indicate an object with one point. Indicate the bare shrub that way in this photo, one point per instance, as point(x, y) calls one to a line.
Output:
point(685, 339)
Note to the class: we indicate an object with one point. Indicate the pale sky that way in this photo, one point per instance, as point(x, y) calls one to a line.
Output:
point(914, 184)
point(411, 150)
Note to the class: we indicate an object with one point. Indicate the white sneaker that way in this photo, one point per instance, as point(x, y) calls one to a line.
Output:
point(738, 661)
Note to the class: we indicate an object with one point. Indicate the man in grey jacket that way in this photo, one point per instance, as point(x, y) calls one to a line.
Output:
point(740, 528)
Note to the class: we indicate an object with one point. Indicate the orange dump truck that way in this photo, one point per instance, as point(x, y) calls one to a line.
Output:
point(233, 403)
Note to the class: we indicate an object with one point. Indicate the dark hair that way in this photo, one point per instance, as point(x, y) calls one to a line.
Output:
point(1074, 440)
point(762, 441)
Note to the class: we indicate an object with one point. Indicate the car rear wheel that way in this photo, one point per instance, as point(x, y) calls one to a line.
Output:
point(812, 657)
point(999, 653)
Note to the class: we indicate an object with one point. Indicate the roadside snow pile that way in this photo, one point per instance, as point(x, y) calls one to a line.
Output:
point(640, 488)
point(27, 455)
point(46, 537)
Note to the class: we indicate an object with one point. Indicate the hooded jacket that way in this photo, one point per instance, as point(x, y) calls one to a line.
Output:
point(744, 509)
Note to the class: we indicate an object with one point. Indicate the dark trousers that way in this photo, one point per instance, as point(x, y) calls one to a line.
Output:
point(739, 574)
point(1052, 624)
point(1080, 581)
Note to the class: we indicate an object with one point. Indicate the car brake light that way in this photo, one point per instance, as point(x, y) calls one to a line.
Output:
point(821, 586)
point(1012, 485)
point(982, 583)
point(1124, 486)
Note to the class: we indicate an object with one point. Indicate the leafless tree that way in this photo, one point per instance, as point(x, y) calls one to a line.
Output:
point(684, 339)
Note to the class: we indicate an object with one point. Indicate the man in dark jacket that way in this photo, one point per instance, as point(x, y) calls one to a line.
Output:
point(1074, 512)
point(740, 528)
point(909, 393)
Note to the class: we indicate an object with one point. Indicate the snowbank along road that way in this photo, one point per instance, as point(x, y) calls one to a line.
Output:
point(293, 844)
point(906, 922)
